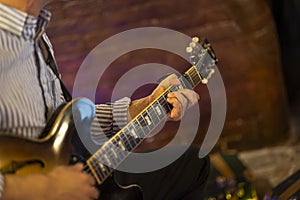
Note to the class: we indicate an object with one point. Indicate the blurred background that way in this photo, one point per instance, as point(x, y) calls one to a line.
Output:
point(257, 44)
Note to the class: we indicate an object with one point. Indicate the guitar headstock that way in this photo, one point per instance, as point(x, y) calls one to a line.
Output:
point(203, 57)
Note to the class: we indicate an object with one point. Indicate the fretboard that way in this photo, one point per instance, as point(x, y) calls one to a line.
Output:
point(115, 150)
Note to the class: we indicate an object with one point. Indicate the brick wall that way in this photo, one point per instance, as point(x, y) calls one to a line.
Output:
point(241, 32)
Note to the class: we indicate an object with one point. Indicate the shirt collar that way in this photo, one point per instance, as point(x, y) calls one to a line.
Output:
point(23, 24)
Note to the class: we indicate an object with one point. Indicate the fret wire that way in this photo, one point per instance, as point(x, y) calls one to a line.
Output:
point(145, 121)
point(129, 137)
point(164, 100)
point(159, 108)
point(125, 139)
point(115, 151)
point(187, 80)
point(112, 159)
point(183, 81)
point(196, 75)
point(134, 138)
point(142, 125)
point(137, 125)
point(120, 141)
point(96, 170)
point(138, 129)
point(153, 111)
point(191, 81)
point(144, 115)
point(118, 150)
point(151, 125)
point(191, 77)
point(105, 171)
point(98, 159)
point(95, 163)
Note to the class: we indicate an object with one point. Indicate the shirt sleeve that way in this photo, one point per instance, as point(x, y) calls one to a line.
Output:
point(1, 184)
point(109, 119)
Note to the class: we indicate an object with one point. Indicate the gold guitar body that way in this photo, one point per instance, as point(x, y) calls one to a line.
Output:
point(24, 156)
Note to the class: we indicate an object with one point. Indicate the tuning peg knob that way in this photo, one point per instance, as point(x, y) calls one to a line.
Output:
point(189, 49)
point(204, 81)
point(195, 39)
point(193, 44)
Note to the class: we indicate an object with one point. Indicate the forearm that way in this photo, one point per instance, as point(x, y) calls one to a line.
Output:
point(137, 106)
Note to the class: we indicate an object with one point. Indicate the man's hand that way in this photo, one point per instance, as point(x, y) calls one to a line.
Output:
point(63, 182)
point(70, 182)
point(181, 100)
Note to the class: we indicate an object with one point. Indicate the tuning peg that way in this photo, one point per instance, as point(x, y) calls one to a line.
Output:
point(204, 81)
point(189, 49)
point(192, 44)
point(195, 39)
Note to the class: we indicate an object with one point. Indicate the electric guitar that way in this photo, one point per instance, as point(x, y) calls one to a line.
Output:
point(57, 144)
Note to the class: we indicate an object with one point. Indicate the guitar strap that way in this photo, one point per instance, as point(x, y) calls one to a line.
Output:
point(50, 60)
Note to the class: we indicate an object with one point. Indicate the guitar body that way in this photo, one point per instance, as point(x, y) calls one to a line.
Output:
point(23, 156)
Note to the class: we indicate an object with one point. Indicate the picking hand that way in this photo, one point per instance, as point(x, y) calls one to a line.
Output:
point(69, 182)
point(63, 182)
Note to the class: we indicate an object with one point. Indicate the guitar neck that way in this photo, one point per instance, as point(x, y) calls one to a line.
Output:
point(114, 151)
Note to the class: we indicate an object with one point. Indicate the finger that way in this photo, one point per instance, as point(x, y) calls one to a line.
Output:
point(90, 179)
point(176, 111)
point(180, 99)
point(187, 97)
point(94, 193)
point(170, 80)
point(77, 167)
point(163, 85)
point(191, 96)
point(187, 100)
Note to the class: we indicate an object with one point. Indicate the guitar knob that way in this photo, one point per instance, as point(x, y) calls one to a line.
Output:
point(193, 44)
point(195, 39)
point(189, 49)
point(204, 81)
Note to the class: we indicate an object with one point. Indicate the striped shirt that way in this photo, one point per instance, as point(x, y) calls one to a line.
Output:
point(29, 90)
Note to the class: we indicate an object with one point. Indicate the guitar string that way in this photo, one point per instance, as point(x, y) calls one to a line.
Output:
point(128, 141)
point(108, 152)
point(194, 74)
point(125, 142)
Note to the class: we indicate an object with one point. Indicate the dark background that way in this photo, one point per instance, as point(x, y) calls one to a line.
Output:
point(256, 42)
point(287, 17)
